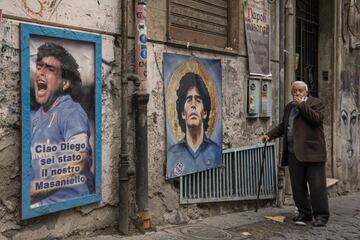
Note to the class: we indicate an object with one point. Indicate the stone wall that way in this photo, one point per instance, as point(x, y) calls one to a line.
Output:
point(94, 15)
point(238, 129)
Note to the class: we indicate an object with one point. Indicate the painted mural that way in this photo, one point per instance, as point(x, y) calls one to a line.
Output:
point(349, 125)
point(349, 94)
point(193, 114)
point(41, 8)
point(351, 23)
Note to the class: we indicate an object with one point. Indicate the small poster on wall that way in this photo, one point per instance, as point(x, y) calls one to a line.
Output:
point(60, 119)
point(193, 103)
point(257, 30)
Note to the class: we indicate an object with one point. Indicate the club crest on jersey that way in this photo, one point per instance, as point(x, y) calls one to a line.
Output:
point(179, 168)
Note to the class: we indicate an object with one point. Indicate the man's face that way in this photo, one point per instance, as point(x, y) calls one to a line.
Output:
point(348, 128)
point(298, 91)
point(193, 113)
point(48, 82)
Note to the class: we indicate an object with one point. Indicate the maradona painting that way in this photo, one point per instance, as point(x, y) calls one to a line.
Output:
point(193, 114)
point(60, 119)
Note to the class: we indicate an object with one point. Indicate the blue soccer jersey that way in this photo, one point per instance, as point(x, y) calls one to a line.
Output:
point(182, 160)
point(59, 144)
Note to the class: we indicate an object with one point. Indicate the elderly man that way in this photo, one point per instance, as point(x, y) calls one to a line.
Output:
point(304, 151)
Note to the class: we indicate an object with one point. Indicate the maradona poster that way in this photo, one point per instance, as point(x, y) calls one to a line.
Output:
point(60, 119)
point(193, 103)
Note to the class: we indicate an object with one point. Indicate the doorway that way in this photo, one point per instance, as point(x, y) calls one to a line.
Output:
point(307, 33)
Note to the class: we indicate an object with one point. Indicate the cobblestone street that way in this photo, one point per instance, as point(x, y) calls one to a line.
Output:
point(344, 224)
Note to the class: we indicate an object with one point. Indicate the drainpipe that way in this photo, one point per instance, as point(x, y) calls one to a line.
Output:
point(281, 56)
point(140, 99)
point(290, 24)
point(290, 48)
point(338, 65)
point(281, 172)
point(124, 156)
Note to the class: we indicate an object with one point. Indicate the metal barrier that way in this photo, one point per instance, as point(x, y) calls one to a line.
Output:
point(236, 180)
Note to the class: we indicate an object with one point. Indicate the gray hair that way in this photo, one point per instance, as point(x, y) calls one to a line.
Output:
point(300, 83)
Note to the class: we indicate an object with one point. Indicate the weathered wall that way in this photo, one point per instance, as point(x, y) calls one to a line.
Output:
point(238, 129)
point(96, 15)
point(326, 75)
point(101, 15)
point(346, 119)
point(339, 57)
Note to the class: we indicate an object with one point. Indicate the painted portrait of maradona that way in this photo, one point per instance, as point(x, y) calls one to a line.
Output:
point(193, 106)
point(61, 119)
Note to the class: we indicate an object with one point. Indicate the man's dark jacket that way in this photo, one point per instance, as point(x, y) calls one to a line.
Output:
point(308, 133)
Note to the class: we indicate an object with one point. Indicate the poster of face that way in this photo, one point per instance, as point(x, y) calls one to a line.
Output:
point(60, 119)
point(193, 103)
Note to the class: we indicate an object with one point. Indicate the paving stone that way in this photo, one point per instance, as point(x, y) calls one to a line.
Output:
point(344, 224)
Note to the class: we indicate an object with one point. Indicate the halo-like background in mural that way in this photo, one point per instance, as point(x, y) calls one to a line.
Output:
point(183, 156)
point(171, 96)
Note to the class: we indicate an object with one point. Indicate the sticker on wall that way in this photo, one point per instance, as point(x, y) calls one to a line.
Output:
point(60, 119)
point(141, 40)
point(193, 114)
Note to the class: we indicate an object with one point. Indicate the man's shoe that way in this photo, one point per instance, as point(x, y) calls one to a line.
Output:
point(302, 218)
point(319, 222)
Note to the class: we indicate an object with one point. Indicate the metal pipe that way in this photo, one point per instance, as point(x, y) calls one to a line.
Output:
point(289, 60)
point(124, 156)
point(281, 174)
point(334, 90)
point(281, 56)
point(337, 61)
point(290, 48)
point(141, 98)
point(141, 143)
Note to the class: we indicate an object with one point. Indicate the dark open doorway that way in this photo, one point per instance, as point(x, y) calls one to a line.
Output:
point(307, 32)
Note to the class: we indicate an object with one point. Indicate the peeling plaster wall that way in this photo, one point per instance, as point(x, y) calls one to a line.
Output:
point(104, 15)
point(238, 129)
point(339, 57)
point(96, 15)
point(346, 120)
point(9, 128)
point(349, 105)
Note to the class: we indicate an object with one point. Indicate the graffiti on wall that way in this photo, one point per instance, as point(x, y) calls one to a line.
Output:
point(349, 125)
point(351, 23)
point(40, 8)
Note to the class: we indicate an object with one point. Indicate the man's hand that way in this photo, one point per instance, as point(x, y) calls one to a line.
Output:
point(265, 138)
point(299, 99)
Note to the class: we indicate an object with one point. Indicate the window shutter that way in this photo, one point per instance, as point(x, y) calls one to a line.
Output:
point(199, 21)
